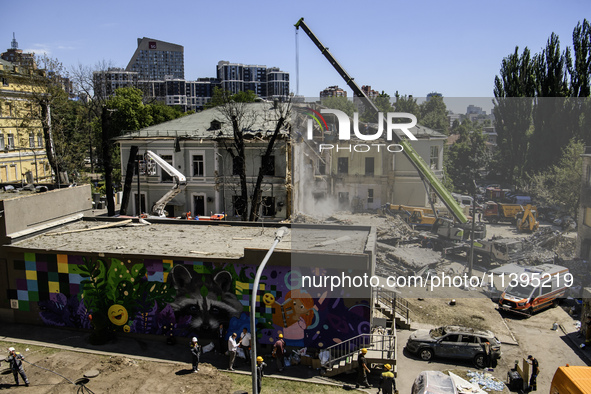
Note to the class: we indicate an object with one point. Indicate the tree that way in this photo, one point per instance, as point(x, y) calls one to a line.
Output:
point(238, 110)
point(382, 102)
point(48, 78)
point(560, 184)
point(580, 68)
point(549, 114)
point(340, 103)
point(407, 104)
point(434, 114)
point(466, 157)
point(512, 114)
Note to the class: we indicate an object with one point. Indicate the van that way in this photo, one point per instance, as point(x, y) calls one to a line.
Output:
point(461, 199)
point(535, 288)
point(572, 380)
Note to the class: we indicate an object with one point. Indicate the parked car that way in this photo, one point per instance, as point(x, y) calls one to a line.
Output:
point(454, 342)
point(433, 382)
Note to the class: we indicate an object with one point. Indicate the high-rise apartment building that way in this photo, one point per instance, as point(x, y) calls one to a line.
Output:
point(106, 82)
point(154, 60)
point(266, 82)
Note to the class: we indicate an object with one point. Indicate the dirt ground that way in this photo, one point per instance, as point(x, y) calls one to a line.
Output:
point(116, 374)
point(119, 374)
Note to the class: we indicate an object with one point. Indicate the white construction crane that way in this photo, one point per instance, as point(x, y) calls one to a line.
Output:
point(180, 182)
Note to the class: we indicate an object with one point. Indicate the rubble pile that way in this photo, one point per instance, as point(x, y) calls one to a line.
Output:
point(486, 381)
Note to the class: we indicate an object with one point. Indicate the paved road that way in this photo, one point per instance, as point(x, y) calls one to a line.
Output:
point(534, 336)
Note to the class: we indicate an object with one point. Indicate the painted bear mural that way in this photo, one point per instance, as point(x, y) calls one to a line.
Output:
point(209, 300)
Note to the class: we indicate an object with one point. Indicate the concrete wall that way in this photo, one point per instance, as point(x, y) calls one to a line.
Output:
point(177, 296)
point(27, 212)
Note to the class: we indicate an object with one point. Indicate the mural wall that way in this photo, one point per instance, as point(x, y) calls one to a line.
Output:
point(180, 298)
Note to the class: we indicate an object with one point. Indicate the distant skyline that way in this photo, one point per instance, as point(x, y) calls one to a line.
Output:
point(413, 48)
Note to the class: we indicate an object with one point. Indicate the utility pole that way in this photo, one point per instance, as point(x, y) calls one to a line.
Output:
point(106, 145)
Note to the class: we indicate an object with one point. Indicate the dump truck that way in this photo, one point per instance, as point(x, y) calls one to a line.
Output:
point(418, 217)
point(497, 212)
point(502, 250)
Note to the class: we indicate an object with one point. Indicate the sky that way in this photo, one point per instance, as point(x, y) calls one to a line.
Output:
point(410, 47)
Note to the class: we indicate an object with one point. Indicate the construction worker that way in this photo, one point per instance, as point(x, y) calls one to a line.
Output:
point(535, 370)
point(362, 369)
point(387, 382)
point(279, 352)
point(195, 353)
point(16, 364)
point(260, 372)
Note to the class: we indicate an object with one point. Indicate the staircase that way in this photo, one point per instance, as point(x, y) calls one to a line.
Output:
point(392, 306)
point(381, 349)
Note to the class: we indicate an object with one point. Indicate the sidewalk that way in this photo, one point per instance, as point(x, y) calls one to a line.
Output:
point(152, 349)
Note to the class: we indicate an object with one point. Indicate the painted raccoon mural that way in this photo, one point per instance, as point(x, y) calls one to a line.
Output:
point(208, 300)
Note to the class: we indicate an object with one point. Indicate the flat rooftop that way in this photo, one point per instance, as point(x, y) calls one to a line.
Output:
point(186, 239)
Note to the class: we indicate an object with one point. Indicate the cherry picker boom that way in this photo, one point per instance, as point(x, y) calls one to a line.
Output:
point(427, 176)
point(180, 182)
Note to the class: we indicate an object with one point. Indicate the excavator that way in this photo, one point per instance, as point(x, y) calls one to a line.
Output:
point(429, 179)
point(527, 220)
point(180, 182)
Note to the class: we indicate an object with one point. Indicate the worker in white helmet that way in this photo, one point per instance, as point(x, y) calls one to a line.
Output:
point(16, 365)
point(195, 353)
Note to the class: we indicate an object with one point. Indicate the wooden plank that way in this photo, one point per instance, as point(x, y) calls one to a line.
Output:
point(110, 225)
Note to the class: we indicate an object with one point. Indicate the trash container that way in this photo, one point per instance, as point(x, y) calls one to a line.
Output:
point(514, 380)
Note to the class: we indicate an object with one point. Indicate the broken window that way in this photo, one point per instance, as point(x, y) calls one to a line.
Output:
point(343, 165)
point(268, 163)
point(369, 166)
point(434, 158)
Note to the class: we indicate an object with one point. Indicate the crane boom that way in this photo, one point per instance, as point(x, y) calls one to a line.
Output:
point(180, 181)
point(416, 160)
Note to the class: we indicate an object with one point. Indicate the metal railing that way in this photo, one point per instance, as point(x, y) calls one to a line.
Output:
point(392, 300)
point(384, 345)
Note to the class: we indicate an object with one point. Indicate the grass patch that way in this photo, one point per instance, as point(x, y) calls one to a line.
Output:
point(271, 385)
point(20, 347)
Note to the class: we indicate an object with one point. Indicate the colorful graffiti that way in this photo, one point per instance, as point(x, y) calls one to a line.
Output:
point(181, 298)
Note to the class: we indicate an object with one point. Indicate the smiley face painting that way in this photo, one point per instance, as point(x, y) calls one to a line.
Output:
point(118, 315)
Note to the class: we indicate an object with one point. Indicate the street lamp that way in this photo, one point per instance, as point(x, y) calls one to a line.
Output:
point(281, 231)
point(221, 161)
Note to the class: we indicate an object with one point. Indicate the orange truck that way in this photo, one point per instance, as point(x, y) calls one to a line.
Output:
point(497, 212)
point(572, 380)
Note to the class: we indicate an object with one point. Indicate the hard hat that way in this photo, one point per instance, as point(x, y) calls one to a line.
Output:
point(11, 349)
point(364, 350)
point(194, 339)
point(387, 367)
point(259, 359)
point(280, 336)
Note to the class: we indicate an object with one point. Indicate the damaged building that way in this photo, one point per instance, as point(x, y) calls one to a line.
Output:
point(181, 278)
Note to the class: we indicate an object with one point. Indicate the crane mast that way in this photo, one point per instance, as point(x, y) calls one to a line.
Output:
point(427, 176)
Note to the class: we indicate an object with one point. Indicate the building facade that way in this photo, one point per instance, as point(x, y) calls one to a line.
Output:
point(106, 82)
point(22, 146)
point(333, 91)
point(265, 82)
point(331, 175)
point(155, 59)
point(197, 145)
point(584, 225)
